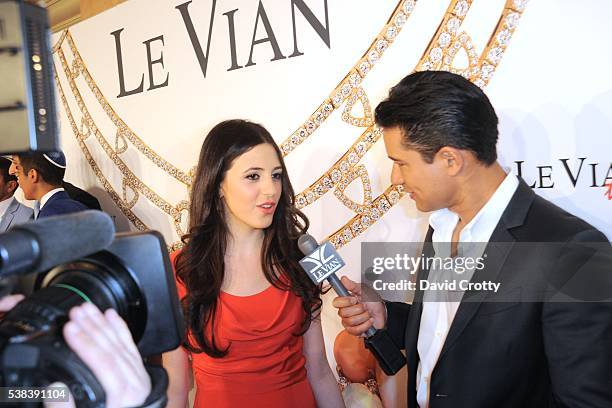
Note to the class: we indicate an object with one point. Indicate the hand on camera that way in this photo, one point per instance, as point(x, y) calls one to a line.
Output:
point(9, 302)
point(357, 316)
point(104, 343)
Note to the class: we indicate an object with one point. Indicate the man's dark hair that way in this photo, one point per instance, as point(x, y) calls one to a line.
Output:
point(4, 170)
point(49, 172)
point(438, 108)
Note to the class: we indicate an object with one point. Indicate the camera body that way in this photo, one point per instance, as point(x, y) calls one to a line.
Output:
point(133, 276)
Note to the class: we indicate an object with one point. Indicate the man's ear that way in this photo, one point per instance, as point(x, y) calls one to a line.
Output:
point(452, 159)
point(34, 176)
point(12, 186)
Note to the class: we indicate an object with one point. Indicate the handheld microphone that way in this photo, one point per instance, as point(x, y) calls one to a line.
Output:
point(322, 262)
point(42, 244)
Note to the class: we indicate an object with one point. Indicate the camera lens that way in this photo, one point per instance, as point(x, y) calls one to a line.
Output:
point(100, 279)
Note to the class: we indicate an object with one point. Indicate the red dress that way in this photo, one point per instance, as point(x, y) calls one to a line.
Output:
point(265, 363)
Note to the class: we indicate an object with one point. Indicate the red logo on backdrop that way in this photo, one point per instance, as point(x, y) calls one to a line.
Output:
point(608, 192)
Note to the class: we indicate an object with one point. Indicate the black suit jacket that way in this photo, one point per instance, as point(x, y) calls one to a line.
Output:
point(81, 196)
point(517, 353)
point(60, 203)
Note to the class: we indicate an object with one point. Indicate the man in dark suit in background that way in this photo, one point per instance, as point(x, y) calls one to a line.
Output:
point(74, 192)
point(12, 212)
point(81, 196)
point(440, 131)
point(40, 176)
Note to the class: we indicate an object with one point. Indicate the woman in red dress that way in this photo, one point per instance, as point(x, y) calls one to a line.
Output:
point(254, 331)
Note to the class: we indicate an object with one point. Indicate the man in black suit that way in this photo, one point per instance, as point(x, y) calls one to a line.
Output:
point(440, 131)
point(40, 177)
point(58, 159)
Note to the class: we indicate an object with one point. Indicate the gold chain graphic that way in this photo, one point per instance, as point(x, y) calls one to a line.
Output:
point(440, 54)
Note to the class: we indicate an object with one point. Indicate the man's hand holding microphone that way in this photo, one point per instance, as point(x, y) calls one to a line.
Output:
point(358, 316)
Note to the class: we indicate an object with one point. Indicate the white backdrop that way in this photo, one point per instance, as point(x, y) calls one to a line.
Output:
point(551, 89)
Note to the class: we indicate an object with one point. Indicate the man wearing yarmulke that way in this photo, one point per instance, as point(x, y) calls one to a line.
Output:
point(40, 176)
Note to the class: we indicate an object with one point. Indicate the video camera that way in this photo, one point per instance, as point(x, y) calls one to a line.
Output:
point(131, 275)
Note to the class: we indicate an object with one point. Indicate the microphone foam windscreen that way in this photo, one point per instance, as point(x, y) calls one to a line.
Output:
point(307, 244)
point(68, 237)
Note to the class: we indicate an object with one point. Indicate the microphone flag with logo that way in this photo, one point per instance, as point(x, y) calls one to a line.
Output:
point(322, 262)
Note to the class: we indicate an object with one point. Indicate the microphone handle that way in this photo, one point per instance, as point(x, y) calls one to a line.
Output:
point(342, 291)
point(337, 285)
point(388, 355)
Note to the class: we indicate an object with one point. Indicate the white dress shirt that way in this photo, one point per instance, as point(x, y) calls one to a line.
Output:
point(438, 316)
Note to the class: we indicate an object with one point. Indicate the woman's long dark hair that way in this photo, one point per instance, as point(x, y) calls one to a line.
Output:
point(200, 266)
